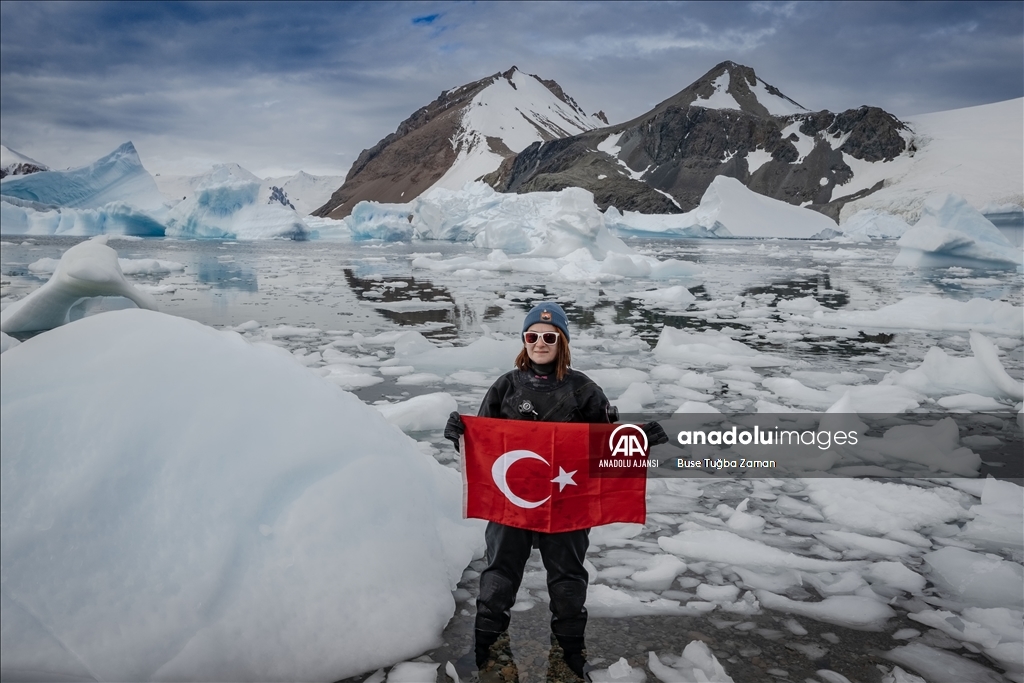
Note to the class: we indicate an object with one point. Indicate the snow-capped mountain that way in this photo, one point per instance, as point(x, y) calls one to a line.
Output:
point(15, 163)
point(464, 134)
point(728, 122)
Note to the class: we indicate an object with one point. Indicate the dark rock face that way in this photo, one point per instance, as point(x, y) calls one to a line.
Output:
point(679, 147)
point(20, 169)
point(280, 196)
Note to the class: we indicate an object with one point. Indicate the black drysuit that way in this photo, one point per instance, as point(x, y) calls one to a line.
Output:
point(537, 395)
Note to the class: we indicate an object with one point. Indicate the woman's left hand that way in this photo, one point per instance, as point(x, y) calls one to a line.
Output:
point(655, 434)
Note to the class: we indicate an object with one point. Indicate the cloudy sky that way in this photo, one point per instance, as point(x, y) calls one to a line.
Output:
point(290, 86)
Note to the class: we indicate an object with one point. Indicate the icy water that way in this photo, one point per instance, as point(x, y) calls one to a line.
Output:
point(305, 296)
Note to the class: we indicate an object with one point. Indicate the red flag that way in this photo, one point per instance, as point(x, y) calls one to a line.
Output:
point(539, 476)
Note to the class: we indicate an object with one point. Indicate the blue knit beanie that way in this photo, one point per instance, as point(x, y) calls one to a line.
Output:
point(550, 313)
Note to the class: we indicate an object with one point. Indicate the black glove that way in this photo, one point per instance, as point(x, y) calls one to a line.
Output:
point(456, 428)
point(655, 434)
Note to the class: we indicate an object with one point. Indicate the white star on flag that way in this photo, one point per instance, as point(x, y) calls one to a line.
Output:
point(564, 479)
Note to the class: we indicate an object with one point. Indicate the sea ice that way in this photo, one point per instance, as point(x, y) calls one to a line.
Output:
point(981, 374)
point(998, 521)
point(288, 516)
point(697, 663)
point(928, 312)
point(939, 666)
point(86, 270)
point(619, 672)
point(881, 507)
point(419, 413)
point(711, 348)
point(723, 546)
point(976, 579)
point(951, 232)
point(851, 611)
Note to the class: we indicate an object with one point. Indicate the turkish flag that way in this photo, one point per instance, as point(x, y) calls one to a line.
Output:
point(537, 476)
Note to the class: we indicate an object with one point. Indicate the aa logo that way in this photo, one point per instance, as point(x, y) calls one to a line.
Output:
point(628, 440)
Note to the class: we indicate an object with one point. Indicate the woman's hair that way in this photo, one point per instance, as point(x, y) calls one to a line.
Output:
point(562, 361)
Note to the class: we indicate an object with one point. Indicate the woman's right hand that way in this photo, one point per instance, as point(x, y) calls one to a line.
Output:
point(454, 429)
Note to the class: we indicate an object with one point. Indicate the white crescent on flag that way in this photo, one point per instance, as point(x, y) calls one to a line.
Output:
point(500, 468)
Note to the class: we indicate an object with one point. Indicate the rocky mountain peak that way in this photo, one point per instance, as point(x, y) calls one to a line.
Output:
point(465, 134)
point(729, 85)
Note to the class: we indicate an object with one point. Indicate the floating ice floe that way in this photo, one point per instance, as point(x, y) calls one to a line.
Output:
point(288, 516)
point(927, 312)
point(952, 233)
point(941, 374)
point(226, 204)
point(85, 271)
point(727, 209)
point(696, 663)
point(428, 411)
point(113, 195)
point(129, 266)
point(711, 348)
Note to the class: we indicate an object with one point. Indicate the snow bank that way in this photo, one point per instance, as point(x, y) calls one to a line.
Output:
point(952, 233)
point(869, 224)
point(727, 209)
point(289, 533)
point(226, 204)
point(113, 195)
point(926, 312)
point(86, 270)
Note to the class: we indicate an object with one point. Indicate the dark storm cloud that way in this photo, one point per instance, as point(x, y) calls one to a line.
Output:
point(309, 85)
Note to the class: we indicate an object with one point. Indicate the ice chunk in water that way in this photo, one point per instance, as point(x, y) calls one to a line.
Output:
point(696, 664)
point(619, 672)
point(851, 611)
point(979, 580)
point(429, 411)
point(89, 269)
point(939, 666)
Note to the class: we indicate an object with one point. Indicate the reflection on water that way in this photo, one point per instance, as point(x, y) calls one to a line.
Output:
point(226, 274)
point(819, 287)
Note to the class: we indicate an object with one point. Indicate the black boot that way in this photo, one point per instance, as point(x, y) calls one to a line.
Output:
point(567, 660)
point(494, 658)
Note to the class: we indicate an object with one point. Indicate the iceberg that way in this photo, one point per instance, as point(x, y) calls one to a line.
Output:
point(952, 233)
point(547, 224)
point(276, 538)
point(226, 205)
point(117, 177)
point(86, 270)
point(113, 195)
point(727, 209)
point(870, 224)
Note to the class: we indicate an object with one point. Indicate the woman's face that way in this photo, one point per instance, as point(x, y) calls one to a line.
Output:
point(539, 352)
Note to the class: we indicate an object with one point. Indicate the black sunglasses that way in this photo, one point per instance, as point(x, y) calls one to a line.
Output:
point(549, 338)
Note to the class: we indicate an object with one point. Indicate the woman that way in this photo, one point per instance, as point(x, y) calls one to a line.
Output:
point(543, 387)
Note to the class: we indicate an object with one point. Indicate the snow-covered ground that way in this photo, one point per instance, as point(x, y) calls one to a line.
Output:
point(750, 326)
